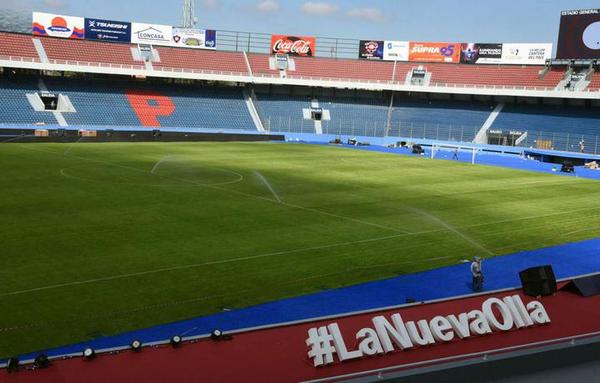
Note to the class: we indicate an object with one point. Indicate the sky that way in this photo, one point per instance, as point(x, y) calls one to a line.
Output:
point(534, 21)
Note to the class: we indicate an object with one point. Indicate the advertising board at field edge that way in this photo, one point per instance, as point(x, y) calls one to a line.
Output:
point(293, 45)
point(579, 35)
point(107, 30)
point(154, 34)
point(370, 49)
point(194, 38)
point(526, 54)
point(48, 24)
point(396, 50)
point(481, 53)
point(434, 52)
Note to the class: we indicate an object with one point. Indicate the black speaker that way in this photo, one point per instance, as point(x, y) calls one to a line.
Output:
point(585, 286)
point(567, 167)
point(538, 281)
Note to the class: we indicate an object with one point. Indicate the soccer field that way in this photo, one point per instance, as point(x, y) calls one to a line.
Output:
point(98, 239)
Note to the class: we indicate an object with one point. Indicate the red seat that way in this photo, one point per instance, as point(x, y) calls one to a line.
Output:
point(88, 51)
point(18, 45)
point(199, 59)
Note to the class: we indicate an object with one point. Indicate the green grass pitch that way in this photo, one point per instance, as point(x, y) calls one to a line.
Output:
point(98, 239)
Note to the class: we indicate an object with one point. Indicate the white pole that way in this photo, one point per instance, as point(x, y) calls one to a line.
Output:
point(473, 157)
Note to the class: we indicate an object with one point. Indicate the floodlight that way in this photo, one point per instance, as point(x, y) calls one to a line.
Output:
point(136, 345)
point(89, 353)
point(176, 341)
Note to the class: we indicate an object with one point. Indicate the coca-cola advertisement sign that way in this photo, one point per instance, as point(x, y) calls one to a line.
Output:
point(293, 45)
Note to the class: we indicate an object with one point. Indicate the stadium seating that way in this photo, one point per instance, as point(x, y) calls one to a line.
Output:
point(17, 45)
point(448, 120)
point(88, 51)
point(15, 108)
point(443, 120)
point(348, 116)
point(131, 104)
point(229, 62)
point(135, 104)
point(172, 58)
point(493, 75)
point(549, 118)
point(559, 127)
point(317, 67)
point(595, 83)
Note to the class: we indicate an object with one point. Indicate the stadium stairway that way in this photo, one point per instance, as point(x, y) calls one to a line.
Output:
point(569, 260)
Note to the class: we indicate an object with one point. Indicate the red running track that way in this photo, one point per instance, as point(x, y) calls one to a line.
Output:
point(279, 354)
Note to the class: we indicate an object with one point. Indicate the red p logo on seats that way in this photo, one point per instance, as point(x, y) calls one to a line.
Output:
point(149, 105)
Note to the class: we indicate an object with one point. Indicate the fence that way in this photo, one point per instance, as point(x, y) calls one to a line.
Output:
point(559, 141)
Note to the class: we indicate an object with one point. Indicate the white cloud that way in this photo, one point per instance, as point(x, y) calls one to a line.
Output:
point(16, 4)
point(267, 6)
point(56, 4)
point(369, 14)
point(209, 4)
point(319, 8)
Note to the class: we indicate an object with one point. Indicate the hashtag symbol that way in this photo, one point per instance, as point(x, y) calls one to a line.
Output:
point(321, 347)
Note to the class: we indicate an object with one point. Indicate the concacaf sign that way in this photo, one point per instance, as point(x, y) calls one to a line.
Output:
point(393, 334)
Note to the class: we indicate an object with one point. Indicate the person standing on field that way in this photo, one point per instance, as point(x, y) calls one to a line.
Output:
point(477, 274)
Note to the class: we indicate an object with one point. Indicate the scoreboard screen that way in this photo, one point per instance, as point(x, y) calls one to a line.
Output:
point(579, 36)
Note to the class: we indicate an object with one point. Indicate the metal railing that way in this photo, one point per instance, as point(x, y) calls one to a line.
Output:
point(162, 68)
point(547, 140)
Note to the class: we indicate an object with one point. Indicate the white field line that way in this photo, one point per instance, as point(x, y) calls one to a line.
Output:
point(134, 310)
point(217, 187)
point(196, 265)
point(63, 172)
point(248, 258)
point(263, 255)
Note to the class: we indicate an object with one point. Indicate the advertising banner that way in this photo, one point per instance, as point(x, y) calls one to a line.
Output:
point(293, 45)
point(97, 29)
point(579, 36)
point(396, 50)
point(434, 52)
point(154, 34)
point(194, 38)
point(370, 50)
point(67, 27)
point(526, 54)
point(479, 53)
